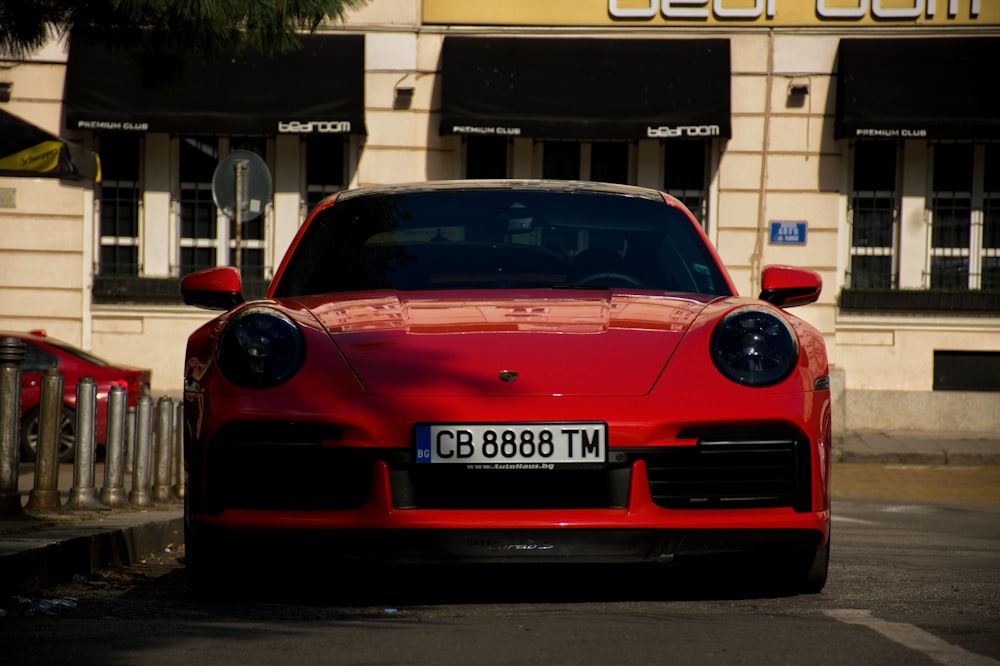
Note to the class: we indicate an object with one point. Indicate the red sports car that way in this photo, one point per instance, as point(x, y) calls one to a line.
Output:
point(508, 371)
point(42, 353)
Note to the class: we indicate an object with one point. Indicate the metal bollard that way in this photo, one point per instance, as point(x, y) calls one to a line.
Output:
point(161, 476)
point(140, 494)
point(11, 355)
point(45, 495)
point(113, 492)
point(129, 439)
point(178, 461)
point(83, 494)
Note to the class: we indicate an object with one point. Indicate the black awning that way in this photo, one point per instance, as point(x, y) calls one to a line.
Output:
point(934, 88)
point(28, 150)
point(585, 88)
point(316, 89)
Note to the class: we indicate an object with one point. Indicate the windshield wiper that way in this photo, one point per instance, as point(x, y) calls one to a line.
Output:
point(569, 285)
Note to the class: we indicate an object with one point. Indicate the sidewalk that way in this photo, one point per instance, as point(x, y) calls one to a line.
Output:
point(917, 447)
point(37, 551)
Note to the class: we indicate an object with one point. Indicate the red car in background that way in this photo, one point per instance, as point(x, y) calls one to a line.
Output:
point(42, 353)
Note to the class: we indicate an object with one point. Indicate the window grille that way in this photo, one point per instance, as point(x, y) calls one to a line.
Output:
point(120, 204)
point(199, 241)
point(873, 216)
point(964, 216)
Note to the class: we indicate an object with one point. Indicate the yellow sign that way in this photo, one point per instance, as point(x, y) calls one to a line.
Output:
point(717, 13)
point(40, 158)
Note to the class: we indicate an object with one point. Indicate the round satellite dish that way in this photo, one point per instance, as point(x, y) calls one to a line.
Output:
point(255, 184)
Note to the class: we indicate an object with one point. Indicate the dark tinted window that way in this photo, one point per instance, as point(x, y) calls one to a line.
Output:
point(609, 162)
point(37, 359)
point(485, 157)
point(199, 219)
point(873, 215)
point(561, 160)
point(685, 173)
point(121, 194)
point(324, 166)
point(495, 239)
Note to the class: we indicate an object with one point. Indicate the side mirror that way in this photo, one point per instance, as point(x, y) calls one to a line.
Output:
point(787, 286)
point(213, 288)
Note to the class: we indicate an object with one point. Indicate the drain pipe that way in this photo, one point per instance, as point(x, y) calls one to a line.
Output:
point(756, 258)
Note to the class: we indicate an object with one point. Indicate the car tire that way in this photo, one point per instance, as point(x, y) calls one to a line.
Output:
point(67, 435)
point(791, 572)
point(211, 566)
point(815, 567)
point(801, 571)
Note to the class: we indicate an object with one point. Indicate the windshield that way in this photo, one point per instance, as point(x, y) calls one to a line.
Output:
point(500, 239)
point(79, 353)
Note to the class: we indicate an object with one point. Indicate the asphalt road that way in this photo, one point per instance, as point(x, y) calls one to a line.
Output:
point(913, 580)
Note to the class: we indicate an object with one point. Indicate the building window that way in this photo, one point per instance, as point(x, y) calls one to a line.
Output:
point(209, 238)
point(199, 242)
point(561, 160)
point(120, 196)
point(609, 161)
point(486, 157)
point(963, 210)
point(324, 167)
point(990, 251)
point(604, 161)
point(966, 370)
point(951, 215)
point(685, 174)
point(873, 216)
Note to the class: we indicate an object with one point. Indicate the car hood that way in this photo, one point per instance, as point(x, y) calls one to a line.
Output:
point(606, 343)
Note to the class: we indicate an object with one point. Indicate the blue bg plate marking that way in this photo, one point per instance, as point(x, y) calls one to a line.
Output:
point(423, 444)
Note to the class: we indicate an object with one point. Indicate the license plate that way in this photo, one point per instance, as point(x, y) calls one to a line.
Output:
point(512, 445)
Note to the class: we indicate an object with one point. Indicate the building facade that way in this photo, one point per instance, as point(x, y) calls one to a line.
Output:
point(858, 138)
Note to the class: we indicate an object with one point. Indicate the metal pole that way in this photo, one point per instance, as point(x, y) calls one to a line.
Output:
point(83, 494)
point(161, 478)
point(113, 493)
point(45, 495)
point(11, 355)
point(178, 473)
point(140, 495)
point(129, 440)
point(240, 178)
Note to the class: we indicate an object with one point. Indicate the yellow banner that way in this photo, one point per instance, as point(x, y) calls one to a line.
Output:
point(717, 13)
point(40, 158)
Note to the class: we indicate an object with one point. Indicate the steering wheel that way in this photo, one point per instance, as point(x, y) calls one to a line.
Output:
point(608, 275)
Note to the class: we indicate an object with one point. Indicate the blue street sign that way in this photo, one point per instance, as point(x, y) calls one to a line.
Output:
point(788, 233)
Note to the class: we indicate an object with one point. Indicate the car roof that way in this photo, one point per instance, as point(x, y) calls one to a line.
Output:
point(34, 336)
point(568, 186)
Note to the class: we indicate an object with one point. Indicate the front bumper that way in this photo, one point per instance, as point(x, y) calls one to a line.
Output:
point(757, 482)
point(640, 531)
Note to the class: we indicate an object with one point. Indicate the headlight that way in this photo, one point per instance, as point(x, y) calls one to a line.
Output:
point(260, 348)
point(753, 346)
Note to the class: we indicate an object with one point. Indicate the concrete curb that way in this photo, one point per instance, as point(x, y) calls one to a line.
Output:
point(917, 448)
point(916, 458)
point(35, 553)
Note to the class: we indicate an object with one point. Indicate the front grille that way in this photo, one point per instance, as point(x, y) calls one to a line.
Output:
point(286, 468)
point(415, 487)
point(720, 473)
point(295, 468)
